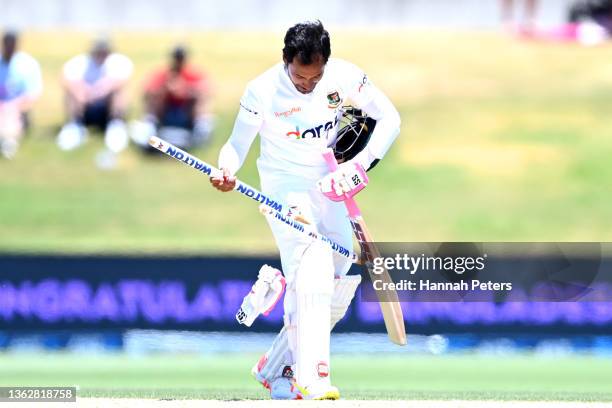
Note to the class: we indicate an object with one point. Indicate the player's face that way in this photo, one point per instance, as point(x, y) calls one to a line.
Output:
point(305, 77)
point(100, 56)
point(177, 64)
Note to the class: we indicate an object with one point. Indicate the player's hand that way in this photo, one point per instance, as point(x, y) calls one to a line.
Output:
point(225, 183)
point(349, 179)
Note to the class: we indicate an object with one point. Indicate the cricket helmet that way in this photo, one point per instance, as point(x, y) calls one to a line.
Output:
point(354, 131)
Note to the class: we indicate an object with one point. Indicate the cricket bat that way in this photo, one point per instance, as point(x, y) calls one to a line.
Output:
point(388, 299)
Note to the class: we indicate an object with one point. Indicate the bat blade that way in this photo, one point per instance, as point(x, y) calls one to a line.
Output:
point(388, 299)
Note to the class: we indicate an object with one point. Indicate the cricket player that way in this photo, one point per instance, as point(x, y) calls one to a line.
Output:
point(295, 107)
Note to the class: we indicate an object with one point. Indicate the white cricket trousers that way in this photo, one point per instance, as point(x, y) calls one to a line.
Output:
point(309, 267)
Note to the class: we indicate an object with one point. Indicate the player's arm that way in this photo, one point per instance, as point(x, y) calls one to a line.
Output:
point(350, 177)
point(234, 151)
point(33, 87)
point(153, 95)
point(72, 79)
point(202, 92)
point(118, 72)
point(376, 105)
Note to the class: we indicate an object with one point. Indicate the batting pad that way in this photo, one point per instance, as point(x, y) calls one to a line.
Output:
point(278, 356)
point(344, 291)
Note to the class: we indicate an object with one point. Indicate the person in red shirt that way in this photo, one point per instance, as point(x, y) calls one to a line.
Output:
point(177, 104)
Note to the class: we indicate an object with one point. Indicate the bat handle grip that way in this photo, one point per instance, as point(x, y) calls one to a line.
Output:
point(330, 159)
point(332, 164)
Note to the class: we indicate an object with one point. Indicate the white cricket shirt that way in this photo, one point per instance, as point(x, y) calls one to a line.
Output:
point(296, 128)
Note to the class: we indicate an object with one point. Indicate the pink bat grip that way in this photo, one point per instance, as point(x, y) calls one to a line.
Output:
point(350, 203)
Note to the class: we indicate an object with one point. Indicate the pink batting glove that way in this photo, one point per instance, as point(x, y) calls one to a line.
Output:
point(344, 183)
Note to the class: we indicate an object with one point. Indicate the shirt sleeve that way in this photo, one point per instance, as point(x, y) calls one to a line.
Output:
point(357, 85)
point(74, 68)
point(155, 81)
point(205, 84)
point(385, 132)
point(34, 83)
point(251, 108)
point(119, 67)
point(247, 125)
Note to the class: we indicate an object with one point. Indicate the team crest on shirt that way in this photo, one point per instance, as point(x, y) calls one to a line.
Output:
point(333, 99)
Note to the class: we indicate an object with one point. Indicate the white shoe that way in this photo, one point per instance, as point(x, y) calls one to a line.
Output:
point(320, 390)
point(116, 136)
point(141, 131)
point(282, 387)
point(71, 136)
point(8, 148)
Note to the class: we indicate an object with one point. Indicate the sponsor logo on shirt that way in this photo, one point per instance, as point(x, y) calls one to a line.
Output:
point(289, 112)
point(364, 81)
point(314, 132)
point(333, 99)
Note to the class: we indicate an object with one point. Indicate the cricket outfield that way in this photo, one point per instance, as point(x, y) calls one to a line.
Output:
point(502, 140)
point(518, 377)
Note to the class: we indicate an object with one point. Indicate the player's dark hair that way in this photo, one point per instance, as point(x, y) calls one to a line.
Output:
point(307, 41)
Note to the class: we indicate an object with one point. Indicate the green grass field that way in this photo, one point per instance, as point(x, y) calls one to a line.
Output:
point(380, 377)
point(501, 140)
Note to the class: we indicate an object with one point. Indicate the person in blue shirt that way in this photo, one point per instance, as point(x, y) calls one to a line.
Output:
point(20, 87)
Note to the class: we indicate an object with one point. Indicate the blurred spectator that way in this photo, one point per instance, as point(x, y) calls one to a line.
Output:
point(596, 10)
point(527, 24)
point(95, 86)
point(177, 104)
point(20, 86)
point(589, 22)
